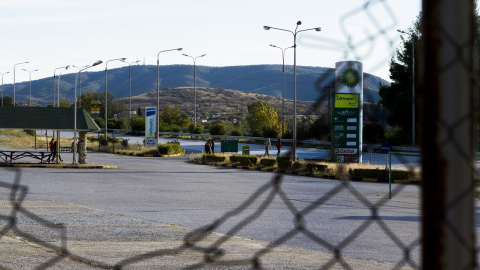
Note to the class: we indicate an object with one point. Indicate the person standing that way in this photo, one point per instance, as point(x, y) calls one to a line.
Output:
point(278, 144)
point(52, 150)
point(212, 146)
point(267, 145)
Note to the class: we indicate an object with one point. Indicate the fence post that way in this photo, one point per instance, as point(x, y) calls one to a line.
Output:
point(448, 141)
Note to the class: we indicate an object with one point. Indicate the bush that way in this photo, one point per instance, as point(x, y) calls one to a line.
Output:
point(113, 139)
point(211, 157)
point(103, 141)
point(316, 168)
point(381, 175)
point(256, 133)
point(138, 123)
point(218, 129)
point(244, 160)
point(268, 162)
point(170, 148)
point(284, 163)
point(270, 132)
point(30, 132)
point(236, 132)
point(195, 130)
point(100, 122)
point(297, 166)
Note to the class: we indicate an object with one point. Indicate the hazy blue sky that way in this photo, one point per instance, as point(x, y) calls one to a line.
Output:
point(55, 33)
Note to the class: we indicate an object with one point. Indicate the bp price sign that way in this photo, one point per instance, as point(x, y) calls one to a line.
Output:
point(347, 113)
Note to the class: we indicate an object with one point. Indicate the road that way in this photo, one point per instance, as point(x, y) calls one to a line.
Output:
point(334, 214)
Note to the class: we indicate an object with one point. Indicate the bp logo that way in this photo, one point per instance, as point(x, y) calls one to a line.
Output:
point(350, 77)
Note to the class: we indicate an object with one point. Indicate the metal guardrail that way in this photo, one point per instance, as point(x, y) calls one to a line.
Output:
point(365, 147)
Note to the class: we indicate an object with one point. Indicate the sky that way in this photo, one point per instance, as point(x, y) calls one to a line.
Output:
point(51, 34)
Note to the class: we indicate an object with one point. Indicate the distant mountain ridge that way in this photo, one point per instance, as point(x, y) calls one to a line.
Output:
point(260, 79)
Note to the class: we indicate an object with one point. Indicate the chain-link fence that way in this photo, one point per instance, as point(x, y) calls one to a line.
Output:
point(447, 241)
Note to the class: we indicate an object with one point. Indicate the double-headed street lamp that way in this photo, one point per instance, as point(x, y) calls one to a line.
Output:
point(283, 83)
point(75, 112)
point(129, 92)
point(30, 78)
point(157, 121)
point(294, 33)
point(194, 87)
point(14, 80)
point(413, 84)
point(2, 84)
point(106, 95)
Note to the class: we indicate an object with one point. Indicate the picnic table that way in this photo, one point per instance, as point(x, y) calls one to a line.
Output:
point(11, 156)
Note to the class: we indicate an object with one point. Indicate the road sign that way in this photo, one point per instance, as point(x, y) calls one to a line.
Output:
point(386, 148)
point(95, 106)
point(235, 121)
point(115, 116)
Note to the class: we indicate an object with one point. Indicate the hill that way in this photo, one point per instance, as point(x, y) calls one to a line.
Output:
point(217, 101)
point(259, 79)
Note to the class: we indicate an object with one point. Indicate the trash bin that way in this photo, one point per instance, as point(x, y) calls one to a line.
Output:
point(246, 150)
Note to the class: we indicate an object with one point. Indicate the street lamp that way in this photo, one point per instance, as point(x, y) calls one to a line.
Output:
point(294, 33)
point(158, 93)
point(413, 84)
point(129, 92)
point(75, 113)
point(106, 97)
point(14, 80)
point(283, 84)
point(2, 84)
point(194, 87)
point(58, 86)
point(66, 67)
point(30, 78)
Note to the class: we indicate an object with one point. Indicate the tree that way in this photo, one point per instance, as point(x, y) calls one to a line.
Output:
point(397, 98)
point(64, 103)
point(263, 117)
point(171, 116)
point(7, 101)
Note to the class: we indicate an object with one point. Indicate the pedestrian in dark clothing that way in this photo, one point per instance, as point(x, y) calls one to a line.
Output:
point(212, 146)
point(207, 147)
point(278, 144)
point(52, 147)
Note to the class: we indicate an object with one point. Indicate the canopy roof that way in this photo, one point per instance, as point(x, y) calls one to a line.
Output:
point(45, 118)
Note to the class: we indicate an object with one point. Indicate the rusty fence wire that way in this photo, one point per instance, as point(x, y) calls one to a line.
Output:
point(448, 235)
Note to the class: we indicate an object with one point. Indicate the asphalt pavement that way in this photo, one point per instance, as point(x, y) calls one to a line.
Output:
point(146, 214)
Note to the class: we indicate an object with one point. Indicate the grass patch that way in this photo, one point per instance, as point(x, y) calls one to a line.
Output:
point(18, 139)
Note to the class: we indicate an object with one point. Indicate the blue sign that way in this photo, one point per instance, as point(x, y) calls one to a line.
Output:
point(386, 148)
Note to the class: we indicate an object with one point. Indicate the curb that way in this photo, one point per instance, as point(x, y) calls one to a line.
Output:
point(302, 173)
point(58, 166)
point(149, 155)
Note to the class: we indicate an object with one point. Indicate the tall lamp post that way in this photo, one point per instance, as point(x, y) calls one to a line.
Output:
point(294, 33)
point(30, 91)
point(58, 86)
point(54, 100)
point(75, 113)
point(14, 80)
point(2, 84)
point(158, 93)
point(194, 87)
point(413, 84)
point(106, 96)
point(130, 92)
point(283, 84)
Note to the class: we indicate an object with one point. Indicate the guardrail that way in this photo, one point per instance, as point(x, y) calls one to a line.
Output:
point(326, 144)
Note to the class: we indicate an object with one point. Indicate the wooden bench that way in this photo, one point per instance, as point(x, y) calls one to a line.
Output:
point(11, 156)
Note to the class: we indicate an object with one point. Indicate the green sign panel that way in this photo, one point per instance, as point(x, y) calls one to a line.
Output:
point(346, 128)
point(229, 145)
